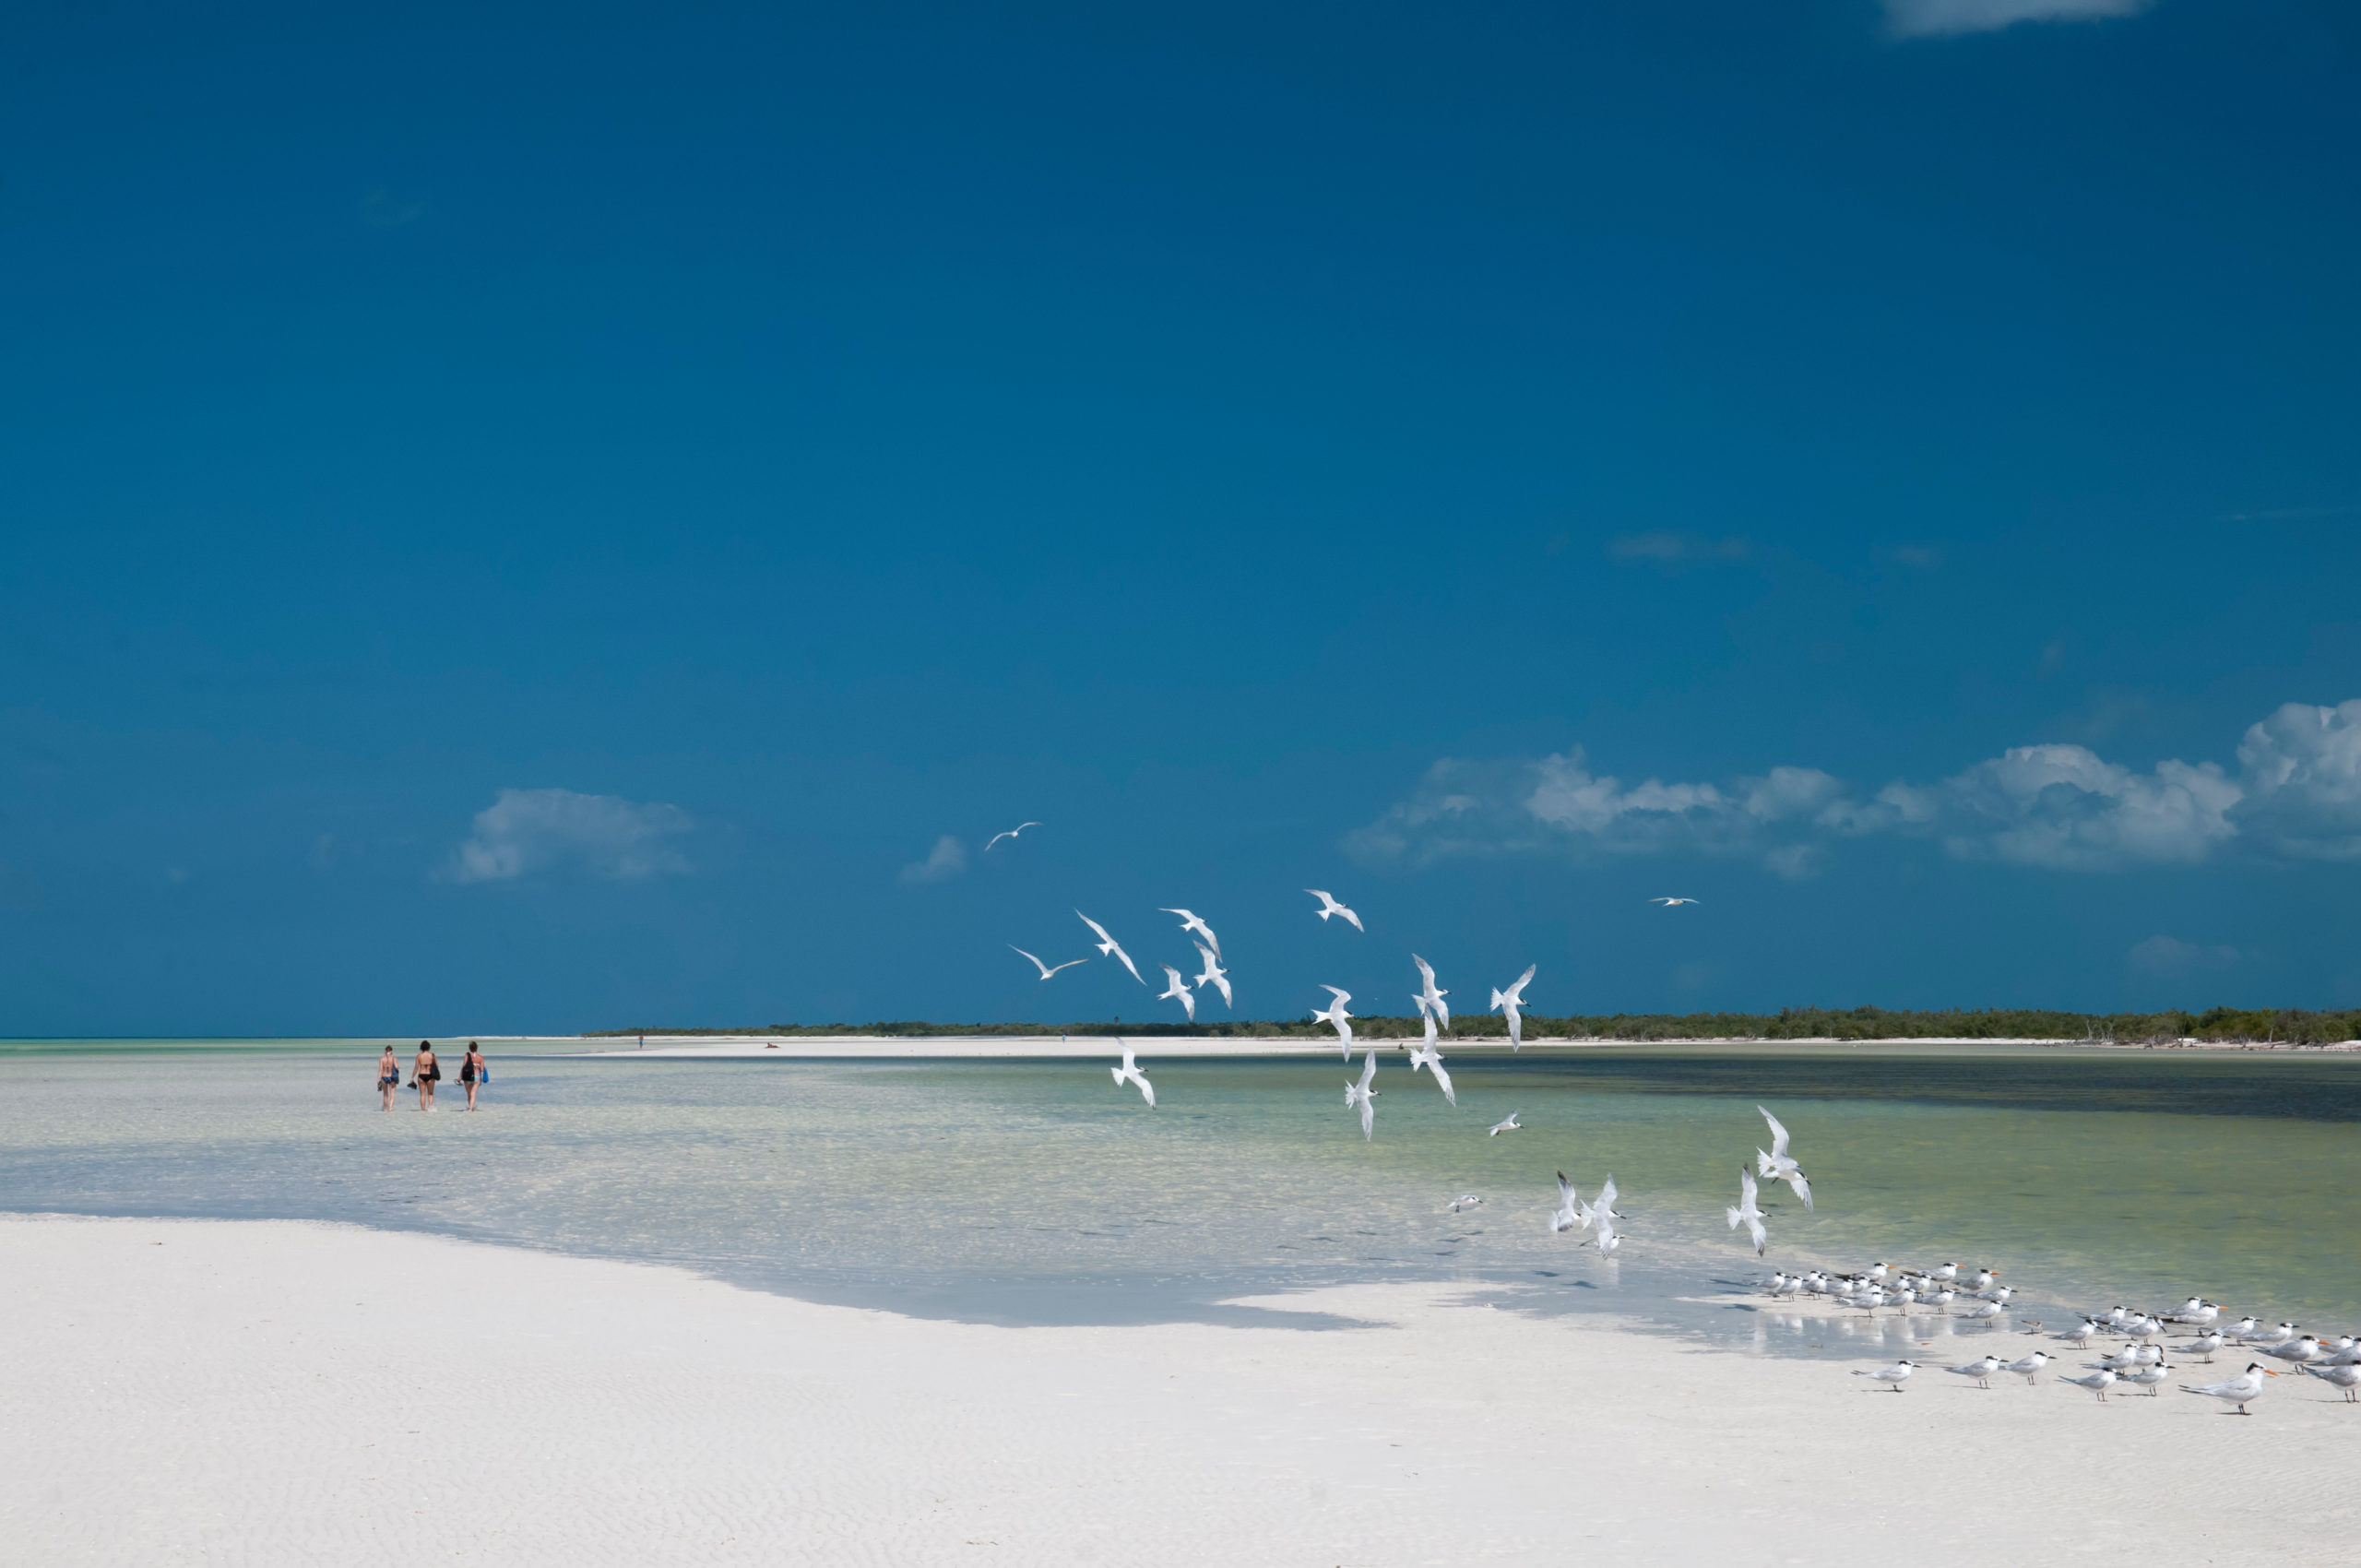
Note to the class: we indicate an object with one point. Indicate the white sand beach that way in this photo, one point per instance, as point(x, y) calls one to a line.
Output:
point(272, 1392)
point(985, 1048)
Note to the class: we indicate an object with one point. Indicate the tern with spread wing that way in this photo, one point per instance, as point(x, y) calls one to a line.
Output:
point(1129, 1072)
point(1430, 1000)
point(1360, 1095)
point(1510, 1125)
point(1569, 1212)
point(1046, 970)
point(1511, 1004)
point(1335, 1017)
point(1010, 834)
point(1195, 923)
point(1776, 1166)
point(1175, 989)
point(1328, 905)
point(1214, 974)
point(1427, 1056)
point(1109, 946)
point(1672, 903)
point(1746, 1213)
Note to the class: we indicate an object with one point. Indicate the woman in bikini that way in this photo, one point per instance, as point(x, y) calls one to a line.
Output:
point(475, 1072)
point(389, 1077)
point(423, 1072)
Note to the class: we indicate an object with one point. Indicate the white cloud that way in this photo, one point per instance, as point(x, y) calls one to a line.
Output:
point(1937, 19)
point(2064, 806)
point(2297, 795)
point(2302, 771)
point(525, 831)
point(2170, 956)
point(945, 861)
point(1557, 804)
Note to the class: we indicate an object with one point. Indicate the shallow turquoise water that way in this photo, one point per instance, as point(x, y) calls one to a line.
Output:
point(1035, 1191)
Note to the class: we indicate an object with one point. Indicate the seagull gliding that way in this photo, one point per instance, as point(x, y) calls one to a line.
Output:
point(1335, 1016)
point(1328, 905)
point(1510, 1002)
point(1109, 946)
point(1196, 923)
point(1130, 1073)
point(1177, 989)
point(1046, 970)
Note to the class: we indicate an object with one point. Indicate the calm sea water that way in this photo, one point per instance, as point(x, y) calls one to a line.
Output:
point(1038, 1192)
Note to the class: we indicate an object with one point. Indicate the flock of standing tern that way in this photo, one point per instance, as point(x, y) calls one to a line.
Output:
point(2140, 1364)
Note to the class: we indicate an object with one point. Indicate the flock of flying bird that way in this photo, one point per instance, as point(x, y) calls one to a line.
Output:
point(1359, 1096)
point(2140, 1364)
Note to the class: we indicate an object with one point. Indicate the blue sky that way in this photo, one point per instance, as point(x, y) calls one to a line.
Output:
point(534, 519)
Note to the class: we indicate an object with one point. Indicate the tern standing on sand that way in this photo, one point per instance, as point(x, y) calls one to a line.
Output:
point(1129, 1072)
point(1177, 990)
point(1364, 1097)
point(1328, 905)
point(2029, 1367)
point(1046, 970)
point(1510, 1003)
point(1335, 1016)
point(1893, 1377)
point(1109, 946)
point(1980, 1370)
point(2238, 1390)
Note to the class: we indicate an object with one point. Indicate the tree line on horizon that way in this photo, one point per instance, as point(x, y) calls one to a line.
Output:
point(2216, 1024)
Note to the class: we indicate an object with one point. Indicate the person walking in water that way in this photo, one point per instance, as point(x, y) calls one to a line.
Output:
point(475, 1072)
point(423, 1072)
point(389, 1077)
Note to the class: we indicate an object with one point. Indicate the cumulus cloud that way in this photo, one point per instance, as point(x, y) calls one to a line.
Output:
point(2297, 795)
point(1938, 18)
point(2170, 956)
point(524, 832)
point(2302, 771)
point(1557, 805)
point(945, 861)
point(2064, 806)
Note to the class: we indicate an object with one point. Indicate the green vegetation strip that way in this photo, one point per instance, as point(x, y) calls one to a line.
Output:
point(2226, 1024)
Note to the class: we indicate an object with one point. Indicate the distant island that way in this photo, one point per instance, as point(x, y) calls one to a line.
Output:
point(2216, 1026)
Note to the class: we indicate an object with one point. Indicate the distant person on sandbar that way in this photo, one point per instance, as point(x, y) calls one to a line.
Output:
point(389, 1077)
point(423, 1072)
point(475, 1072)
